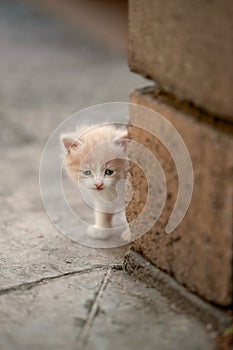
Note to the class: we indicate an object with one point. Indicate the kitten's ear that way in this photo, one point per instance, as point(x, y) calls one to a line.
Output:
point(122, 139)
point(69, 141)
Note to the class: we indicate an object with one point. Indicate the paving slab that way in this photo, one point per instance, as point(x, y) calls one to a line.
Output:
point(131, 316)
point(49, 316)
point(31, 247)
point(47, 73)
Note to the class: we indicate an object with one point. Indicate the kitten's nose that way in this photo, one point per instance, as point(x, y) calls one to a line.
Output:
point(98, 185)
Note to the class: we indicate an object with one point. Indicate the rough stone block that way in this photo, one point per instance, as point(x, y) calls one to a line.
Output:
point(198, 253)
point(186, 47)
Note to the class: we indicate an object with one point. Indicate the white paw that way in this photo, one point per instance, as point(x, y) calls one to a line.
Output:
point(119, 219)
point(126, 235)
point(99, 233)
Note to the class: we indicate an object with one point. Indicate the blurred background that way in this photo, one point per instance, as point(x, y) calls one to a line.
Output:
point(56, 58)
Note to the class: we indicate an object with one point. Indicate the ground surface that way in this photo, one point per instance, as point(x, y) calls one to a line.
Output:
point(55, 294)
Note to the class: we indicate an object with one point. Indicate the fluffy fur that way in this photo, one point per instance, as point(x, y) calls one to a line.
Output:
point(95, 158)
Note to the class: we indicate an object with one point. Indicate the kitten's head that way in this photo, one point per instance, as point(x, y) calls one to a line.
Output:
point(96, 158)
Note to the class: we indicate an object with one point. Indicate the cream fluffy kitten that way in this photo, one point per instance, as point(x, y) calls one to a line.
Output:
point(95, 159)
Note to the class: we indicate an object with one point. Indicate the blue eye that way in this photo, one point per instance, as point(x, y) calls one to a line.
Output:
point(109, 172)
point(86, 172)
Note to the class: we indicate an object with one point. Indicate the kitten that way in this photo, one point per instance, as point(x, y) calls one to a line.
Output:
point(95, 158)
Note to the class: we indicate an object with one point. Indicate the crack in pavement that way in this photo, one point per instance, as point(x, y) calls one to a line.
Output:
point(29, 285)
point(83, 336)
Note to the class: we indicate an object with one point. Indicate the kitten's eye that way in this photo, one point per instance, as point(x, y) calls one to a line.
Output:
point(86, 172)
point(109, 172)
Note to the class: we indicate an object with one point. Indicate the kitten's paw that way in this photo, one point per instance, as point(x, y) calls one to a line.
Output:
point(99, 233)
point(119, 219)
point(126, 235)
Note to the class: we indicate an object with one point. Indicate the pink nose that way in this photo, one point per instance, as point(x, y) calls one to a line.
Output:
point(98, 185)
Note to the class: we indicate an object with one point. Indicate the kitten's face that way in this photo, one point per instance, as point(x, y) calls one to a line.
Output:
point(96, 159)
point(100, 177)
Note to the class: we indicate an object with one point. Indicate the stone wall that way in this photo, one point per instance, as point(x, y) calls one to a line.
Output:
point(186, 48)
